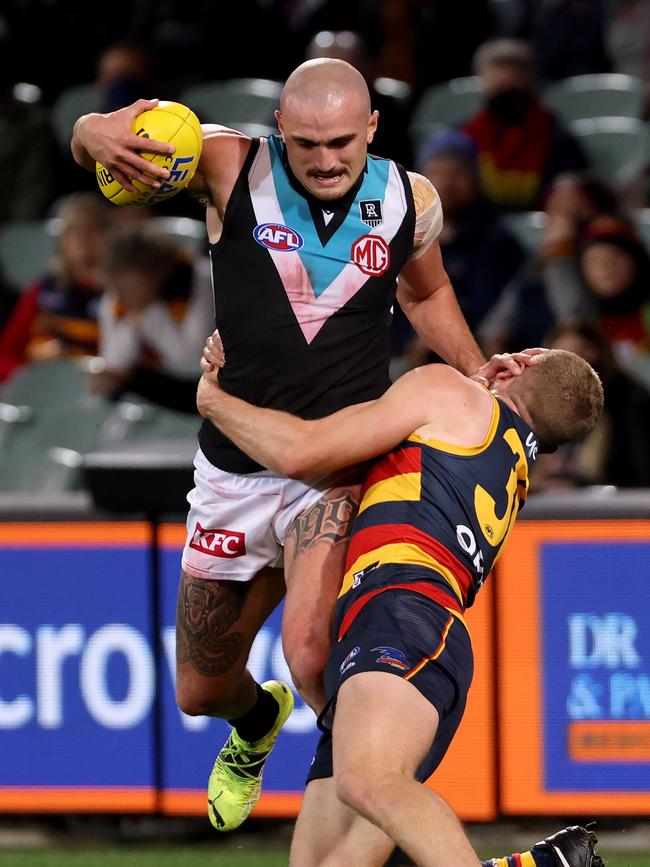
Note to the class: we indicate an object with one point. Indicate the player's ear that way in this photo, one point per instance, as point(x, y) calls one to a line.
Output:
point(372, 126)
point(278, 118)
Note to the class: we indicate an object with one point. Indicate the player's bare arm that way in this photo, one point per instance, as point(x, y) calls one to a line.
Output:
point(108, 139)
point(428, 299)
point(222, 157)
point(425, 293)
point(435, 400)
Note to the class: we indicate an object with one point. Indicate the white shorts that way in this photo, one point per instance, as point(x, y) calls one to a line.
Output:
point(237, 523)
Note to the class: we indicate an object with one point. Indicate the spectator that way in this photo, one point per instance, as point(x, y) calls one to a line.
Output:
point(157, 311)
point(56, 316)
point(521, 145)
point(573, 202)
point(28, 150)
point(628, 39)
point(569, 38)
point(616, 452)
point(481, 256)
point(124, 74)
point(613, 285)
point(427, 41)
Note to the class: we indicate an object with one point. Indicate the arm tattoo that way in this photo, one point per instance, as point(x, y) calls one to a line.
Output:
point(330, 519)
point(206, 612)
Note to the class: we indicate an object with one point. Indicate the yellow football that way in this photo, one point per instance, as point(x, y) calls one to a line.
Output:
point(168, 122)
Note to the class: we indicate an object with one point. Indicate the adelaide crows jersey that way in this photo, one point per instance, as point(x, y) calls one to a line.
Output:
point(441, 513)
point(304, 289)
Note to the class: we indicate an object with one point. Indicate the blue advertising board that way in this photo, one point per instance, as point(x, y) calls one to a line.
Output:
point(574, 667)
point(76, 667)
point(80, 724)
point(596, 661)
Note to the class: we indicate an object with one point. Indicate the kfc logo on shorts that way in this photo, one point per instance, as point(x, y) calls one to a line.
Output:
point(371, 254)
point(275, 236)
point(218, 543)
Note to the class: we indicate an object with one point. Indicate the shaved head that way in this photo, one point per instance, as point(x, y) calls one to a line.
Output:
point(326, 82)
point(326, 122)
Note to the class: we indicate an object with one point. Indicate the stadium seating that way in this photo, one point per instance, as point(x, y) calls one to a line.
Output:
point(234, 102)
point(46, 384)
point(445, 105)
point(605, 95)
point(48, 420)
point(641, 220)
point(70, 105)
point(394, 88)
point(42, 447)
point(189, 234)
point(616, 146)
point(528, 228)
point(26, 249)
point(134, 419)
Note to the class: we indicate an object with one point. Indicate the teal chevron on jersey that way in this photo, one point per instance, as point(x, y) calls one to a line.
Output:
point(324, 263)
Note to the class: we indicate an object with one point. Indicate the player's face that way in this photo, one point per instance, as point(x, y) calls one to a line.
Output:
point(327, 149)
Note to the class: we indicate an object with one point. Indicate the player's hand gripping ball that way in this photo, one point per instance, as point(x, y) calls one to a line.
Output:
point(168, 122)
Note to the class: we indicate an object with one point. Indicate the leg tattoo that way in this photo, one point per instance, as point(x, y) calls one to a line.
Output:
point(206, 612)
point(330, 519)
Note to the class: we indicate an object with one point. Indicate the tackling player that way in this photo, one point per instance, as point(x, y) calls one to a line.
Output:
point(308, 235)
point(434, 516)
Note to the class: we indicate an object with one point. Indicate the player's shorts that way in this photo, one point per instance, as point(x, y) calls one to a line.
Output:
point(408, 635)
point(237, 523)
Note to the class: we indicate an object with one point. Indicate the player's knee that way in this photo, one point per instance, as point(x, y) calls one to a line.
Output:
point(366, 788)
point(354, 787)
point(194, 701)
point(190, 702)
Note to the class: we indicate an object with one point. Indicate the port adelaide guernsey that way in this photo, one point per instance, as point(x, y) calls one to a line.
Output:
point(304, 290)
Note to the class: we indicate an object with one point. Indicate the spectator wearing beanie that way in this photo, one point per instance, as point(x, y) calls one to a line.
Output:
point(480, 255)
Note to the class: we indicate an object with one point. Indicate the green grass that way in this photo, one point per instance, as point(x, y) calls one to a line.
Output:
point(191, 856)
point(197, 856)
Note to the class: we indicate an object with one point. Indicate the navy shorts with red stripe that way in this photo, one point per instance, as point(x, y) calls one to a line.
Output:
point(411, 636)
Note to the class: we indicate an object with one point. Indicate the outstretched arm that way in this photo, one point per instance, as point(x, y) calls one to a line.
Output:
point(108, 139)
point(307, 449)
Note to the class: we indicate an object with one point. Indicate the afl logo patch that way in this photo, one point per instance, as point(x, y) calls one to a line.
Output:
point(371, 254)
point(275, 236)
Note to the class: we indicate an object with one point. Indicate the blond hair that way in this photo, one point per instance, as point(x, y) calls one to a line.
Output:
point(563, 396)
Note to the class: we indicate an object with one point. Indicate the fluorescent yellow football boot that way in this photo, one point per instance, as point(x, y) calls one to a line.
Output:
point(236, 779)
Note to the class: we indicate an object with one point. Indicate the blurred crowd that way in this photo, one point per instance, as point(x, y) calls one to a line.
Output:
point(543, 242)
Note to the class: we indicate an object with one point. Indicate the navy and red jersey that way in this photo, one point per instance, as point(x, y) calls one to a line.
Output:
point(440, 514)
point(51, 308)
point(304, 289)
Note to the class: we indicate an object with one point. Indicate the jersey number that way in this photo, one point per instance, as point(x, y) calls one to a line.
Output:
point(494, 528)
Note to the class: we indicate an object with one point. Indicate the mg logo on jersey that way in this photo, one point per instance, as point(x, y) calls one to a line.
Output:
point(218, 543)
point(371, 254)
point(275, 236)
